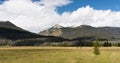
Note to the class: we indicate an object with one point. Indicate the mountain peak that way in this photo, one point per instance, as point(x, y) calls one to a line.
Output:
point(57, 26)
point(8, 24)
point(84, 26)
point(5, 22)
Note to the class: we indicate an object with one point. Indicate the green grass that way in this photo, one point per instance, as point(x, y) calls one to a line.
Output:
point(58, 55)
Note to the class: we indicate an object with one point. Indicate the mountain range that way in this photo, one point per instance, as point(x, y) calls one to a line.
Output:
point(10, 34)
point(82, 31)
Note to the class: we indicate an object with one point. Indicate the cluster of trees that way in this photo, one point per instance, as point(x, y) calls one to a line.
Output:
point(4, 42)
point(103, 44)
point(34, 42)
point(107, 44)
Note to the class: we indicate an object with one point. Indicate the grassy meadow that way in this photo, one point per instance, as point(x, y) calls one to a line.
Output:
point(58, 55)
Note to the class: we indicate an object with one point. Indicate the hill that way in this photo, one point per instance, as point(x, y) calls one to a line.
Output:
point(10, 31)
point(11, 34)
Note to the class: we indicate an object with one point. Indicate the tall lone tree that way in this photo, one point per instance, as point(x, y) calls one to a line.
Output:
point(96, 47)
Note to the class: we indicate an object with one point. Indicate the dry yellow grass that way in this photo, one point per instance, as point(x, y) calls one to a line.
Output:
point(58, 55)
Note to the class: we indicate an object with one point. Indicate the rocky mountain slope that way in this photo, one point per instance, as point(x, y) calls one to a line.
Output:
point(82, 31)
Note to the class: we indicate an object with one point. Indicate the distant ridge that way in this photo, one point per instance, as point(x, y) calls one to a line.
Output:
point(83, 31)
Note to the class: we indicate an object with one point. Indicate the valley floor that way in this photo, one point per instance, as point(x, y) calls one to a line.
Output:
point(58, 55)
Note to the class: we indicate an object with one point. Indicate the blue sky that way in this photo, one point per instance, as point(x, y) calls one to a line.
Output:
point(114, 5)
point(1, 1)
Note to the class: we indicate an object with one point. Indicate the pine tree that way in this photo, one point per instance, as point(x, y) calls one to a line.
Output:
point(96, 46)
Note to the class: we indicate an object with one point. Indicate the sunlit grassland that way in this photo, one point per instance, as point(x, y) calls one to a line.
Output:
point(58, 55)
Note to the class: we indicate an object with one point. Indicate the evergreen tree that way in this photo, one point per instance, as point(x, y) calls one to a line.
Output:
point(96, 46)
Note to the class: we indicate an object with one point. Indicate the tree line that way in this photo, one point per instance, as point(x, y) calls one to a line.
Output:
point(41, 42)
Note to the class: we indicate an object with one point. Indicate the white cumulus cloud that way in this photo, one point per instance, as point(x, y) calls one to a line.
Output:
point(39, 15)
